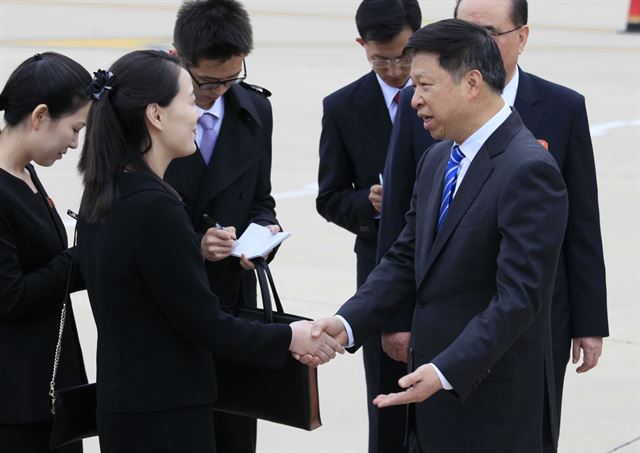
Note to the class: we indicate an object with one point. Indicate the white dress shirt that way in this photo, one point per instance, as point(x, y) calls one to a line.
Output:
point(511, 89)
point(217, 110)
point(470, 148)
point(389, 92)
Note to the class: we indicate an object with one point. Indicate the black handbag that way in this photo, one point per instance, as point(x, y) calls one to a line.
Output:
point(287, 395)
point(73, 408)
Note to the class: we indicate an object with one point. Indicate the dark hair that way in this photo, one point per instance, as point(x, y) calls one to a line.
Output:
point(48, 78)
point(383, 20)
point(519, 12)
point(461, 47)
point(212, 29)
point(117, 135)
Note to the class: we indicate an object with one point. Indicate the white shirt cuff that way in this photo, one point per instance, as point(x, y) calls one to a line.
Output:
point(443, 380)
point(347, 327)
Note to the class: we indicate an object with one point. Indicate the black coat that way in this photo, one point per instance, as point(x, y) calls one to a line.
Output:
point(353, 146)
point(157, 319)
point(34, 265)
point(483, 286)
point(235, 188)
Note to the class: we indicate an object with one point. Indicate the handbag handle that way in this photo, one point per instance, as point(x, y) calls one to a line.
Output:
point(63, 318)
point(265, 280)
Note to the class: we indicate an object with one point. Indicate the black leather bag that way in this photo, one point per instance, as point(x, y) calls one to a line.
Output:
point(287, 395)
point(74, 418)
point(73, 408)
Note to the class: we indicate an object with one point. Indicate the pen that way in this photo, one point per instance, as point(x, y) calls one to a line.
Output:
point(211, 223)
point(380, 178)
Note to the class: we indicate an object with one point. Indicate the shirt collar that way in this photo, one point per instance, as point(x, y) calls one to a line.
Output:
point(472, 145)
point(388, 91)
point(511, 89)
point(217, 109)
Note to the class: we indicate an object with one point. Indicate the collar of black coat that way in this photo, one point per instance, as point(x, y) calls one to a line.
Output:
point(241, 100)
point(132, 182)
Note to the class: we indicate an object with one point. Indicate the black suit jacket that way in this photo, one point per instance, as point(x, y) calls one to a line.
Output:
point(235, 188)
point(483, 286)
point(557, 115)
point(34, 266)
point(353, 145)
point(157, 319)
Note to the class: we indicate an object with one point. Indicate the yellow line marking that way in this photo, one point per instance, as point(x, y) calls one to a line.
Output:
point(106, 43)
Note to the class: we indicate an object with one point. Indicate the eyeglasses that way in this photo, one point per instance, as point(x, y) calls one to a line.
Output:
point(405, 60)
point(219, 83)
point(496, 34)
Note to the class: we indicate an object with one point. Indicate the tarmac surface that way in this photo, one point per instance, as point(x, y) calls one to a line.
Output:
point(304, 50)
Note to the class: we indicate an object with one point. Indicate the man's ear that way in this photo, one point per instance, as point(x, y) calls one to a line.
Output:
point(39, 115)
point(154, 117)
point(360, 41)
point(474, 81)
point(523, 36)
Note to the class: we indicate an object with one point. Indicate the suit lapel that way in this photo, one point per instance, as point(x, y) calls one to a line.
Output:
point(526, 98)
point(432, 212)
point(234, 153)
point(471, 186)
point(369, 102)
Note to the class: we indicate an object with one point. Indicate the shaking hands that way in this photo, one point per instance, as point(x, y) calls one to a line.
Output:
point(317, 342)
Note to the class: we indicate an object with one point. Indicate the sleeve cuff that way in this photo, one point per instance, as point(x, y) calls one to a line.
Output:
point(347, 327)
point(443, 380)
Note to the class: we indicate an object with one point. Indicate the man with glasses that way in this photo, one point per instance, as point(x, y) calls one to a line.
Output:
point(558, 119)
point(226, 185)
point(356, 126)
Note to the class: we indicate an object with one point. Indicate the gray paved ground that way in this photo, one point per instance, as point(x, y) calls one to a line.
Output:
point(304, 50)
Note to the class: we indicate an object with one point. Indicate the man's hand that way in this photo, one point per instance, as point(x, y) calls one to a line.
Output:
point(420, 385)
point(396, 345)
point(217, 243)
point(312, 350)
point(375, 197)
point(591, 351)
point(331, 326)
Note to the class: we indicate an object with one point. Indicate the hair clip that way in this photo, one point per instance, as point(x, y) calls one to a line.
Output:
point(37, 57)
point(100, 84)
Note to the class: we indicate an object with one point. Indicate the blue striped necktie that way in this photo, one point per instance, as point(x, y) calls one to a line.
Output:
point(450, 178)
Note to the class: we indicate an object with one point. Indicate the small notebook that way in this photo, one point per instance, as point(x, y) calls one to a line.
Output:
point(257, 241)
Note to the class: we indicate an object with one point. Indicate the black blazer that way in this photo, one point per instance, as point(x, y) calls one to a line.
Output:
point(557, 115)
point(483, 286)
point(235, 188)
point(157, 319)
point(34, 265)
point(353, 145)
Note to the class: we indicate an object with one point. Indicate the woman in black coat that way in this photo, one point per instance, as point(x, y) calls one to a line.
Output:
point(157, 319)
point(45, 105)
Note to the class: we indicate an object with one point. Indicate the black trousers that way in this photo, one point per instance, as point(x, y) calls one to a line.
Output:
point(235, 433)
point(180, 430)
point(31, 438)
point(387, 427)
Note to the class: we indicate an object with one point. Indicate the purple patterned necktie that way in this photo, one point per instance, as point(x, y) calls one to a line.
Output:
point(208, 139)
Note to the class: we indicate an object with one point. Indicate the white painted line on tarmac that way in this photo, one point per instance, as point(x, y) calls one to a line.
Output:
point(312, 189)
point(601, 129)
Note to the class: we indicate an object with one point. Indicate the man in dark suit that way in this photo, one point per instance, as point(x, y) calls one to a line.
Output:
point(356, 126)
point(478, 254)
point(557, 116)
point(228, 182)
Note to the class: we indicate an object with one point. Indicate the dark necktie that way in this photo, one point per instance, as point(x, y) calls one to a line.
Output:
point(450, 178)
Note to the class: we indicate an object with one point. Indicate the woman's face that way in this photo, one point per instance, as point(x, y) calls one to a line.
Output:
point(56, 136)
point(181, 116)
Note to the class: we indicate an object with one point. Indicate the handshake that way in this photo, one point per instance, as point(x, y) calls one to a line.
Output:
point(316, 342)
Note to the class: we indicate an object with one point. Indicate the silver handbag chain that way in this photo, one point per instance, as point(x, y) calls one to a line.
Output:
point(63, 318)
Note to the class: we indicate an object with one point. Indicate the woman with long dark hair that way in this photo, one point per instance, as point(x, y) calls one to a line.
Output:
point(45, 105)
point(158, 322)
